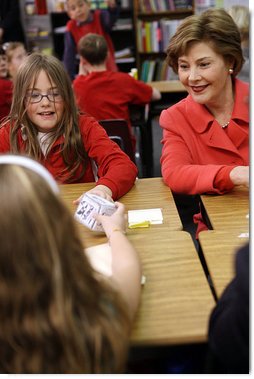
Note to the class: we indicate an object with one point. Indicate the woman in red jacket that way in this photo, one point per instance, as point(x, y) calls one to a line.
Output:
point(206, 135)
point(45, 125)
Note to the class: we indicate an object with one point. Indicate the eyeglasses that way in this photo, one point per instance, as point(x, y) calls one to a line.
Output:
point(35, 97)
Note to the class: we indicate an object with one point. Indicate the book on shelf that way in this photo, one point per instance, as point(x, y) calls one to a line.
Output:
point(153, 36)
point(123, 24)
point(156, 70)
point(124, 53)
point(144, 70)
point(183, 4)
point(148, 6)
point(125, 60)
point(148, 45)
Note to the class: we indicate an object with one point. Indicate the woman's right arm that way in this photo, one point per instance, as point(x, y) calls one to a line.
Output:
point(126, 267)
point(186, 162)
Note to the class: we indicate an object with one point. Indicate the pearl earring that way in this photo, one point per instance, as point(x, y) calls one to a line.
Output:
point(230, 71)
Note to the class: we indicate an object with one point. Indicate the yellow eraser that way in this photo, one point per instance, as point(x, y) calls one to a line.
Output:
point(143, 224)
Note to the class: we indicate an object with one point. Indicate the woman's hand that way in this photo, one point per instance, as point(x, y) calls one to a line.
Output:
point(100, 190)
point(115, 222)
point(240, 176)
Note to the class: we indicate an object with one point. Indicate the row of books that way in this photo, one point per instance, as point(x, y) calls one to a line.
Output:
point(164, 5)
point(153, 36)
point(156, 70)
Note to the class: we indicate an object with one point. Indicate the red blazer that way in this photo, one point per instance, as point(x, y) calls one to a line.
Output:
point(197, 154)
point(115, 169)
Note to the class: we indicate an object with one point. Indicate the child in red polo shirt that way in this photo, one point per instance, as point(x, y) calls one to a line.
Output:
point(102, 93)
point(84, 21)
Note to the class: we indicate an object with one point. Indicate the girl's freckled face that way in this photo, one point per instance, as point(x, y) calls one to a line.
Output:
point(45, 114)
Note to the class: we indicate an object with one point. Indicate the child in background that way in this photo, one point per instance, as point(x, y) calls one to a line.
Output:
point(84, 21)
point(58, 315)
point(16, 53)
point(45, 124)
point(105, 94)
point(5, 86)
point(241, 15)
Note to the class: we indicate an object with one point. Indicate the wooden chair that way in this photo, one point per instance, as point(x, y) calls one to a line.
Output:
point(118, 131)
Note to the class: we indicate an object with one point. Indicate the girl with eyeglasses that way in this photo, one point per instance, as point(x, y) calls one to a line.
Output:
point(45, 124)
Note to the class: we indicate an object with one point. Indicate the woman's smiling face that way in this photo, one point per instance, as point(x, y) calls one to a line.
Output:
point(47, 112)
point(204, 73)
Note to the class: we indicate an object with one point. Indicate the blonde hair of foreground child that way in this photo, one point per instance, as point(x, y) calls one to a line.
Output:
point(57, 314)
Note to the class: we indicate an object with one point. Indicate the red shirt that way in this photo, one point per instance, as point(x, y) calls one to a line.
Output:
point(95, 26)
point(197, 154)
point(107, 94)
point(115, 169)
point(5, 97)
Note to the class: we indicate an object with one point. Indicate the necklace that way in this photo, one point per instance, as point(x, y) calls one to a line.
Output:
point(225, 125)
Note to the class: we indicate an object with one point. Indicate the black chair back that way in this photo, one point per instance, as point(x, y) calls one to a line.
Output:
point(118, 131)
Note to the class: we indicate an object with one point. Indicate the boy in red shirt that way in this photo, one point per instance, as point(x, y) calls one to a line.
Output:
point(105, 94)
point(84, 21)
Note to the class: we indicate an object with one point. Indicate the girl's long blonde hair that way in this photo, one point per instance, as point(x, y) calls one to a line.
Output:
point(55, 315)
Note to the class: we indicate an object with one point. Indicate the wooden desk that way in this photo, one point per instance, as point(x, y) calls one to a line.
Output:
point(228, 211)
point(176, 300)
point(219, 248)
point(146, 193)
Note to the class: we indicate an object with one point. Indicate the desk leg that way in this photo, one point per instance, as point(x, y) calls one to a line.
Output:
point(147, 148)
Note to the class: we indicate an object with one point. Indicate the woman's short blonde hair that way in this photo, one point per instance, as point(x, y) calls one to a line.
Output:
point(214, 26)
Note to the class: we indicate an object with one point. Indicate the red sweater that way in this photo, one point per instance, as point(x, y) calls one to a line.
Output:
point(197, 154)
point(5, 97)
point(115, 169)
point(107, 94)
point(95, 26)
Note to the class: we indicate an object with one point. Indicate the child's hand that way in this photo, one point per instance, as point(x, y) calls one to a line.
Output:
point(100, 190)
point(114, 222)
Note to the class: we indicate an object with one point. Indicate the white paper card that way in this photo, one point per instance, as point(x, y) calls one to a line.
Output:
point(244, 235)
point(154, 216)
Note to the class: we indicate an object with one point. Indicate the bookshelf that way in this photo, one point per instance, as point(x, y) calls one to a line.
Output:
point(155, 22)
point(123, 37)
point(37, 26)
